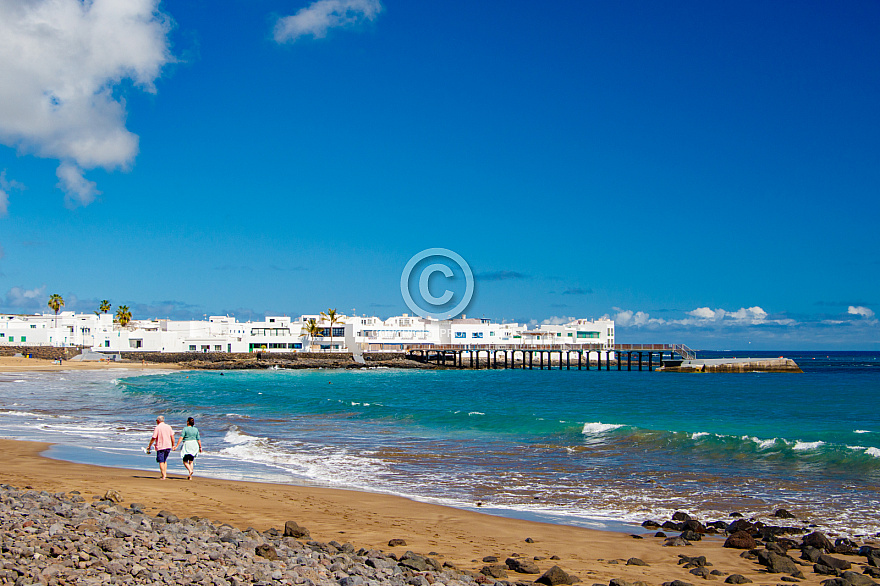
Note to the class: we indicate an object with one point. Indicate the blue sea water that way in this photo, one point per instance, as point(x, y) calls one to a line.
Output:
point(584, 448)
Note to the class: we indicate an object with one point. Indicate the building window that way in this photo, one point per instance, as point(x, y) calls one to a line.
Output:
point(338, 332)
point(192, 347)
point(106, 343)
point(33, 326)
point(477, 334)
point(24, 338)
point(461, 334)
point(588, 335)
point(217, 347)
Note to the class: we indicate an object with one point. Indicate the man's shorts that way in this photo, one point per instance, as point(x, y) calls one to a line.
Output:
point(162, 455)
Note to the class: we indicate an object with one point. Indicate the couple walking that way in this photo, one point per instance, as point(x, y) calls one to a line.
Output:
point(190, 445)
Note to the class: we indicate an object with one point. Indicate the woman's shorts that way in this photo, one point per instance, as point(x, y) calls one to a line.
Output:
point(188, 458)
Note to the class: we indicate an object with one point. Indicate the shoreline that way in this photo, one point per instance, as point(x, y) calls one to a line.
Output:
point(370, 520)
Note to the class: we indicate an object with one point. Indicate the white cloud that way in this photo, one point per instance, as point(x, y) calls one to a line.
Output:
point(860, 310)
point(77, 189)
point(317, 18)
point(751, 314)
point(637, 319)
point(60, 61)
point(557, 321)
point(6, 185)
point(704, 313)
point(19, 298)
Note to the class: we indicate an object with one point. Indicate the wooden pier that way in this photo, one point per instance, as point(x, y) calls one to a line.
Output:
point(540, 356)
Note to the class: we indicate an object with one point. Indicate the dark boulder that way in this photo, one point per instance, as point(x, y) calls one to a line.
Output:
point(266, 551)
point(818, 540)
point(672, 525)
point(845, 546)
point(857, 579)
point(555, 576)
point(490, 559)
point(676, 542)
point(677, 583)
point(651, 524)
point(292, 529)
point(833, 562)
point(396, 542)
point(416, 562)
point(782, 514)
point(698, 561)
point(635, 562)
point(872, 571)
point(874, 558)
point(497, 571)
point(691, 535)
point(522, 566)
point(721, 525)
point(740, 540)
point(775, 563)
point(680, 516)
point(694, 525)
point(740, 525)
point(737, 579)
point(811, 554)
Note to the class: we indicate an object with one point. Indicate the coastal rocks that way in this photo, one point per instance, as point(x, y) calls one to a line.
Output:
point(874, 558)
point(396, 542)
point(782, 514)
point(740, 540)
point(830, 566)
point(293, 529)
point(555, 576)
point(775, 563)
point(676, 542)
point(737, 579)
point(522, 566)
point(635, 562)
point(818, 540)
point(693, 562)
point(850, 579)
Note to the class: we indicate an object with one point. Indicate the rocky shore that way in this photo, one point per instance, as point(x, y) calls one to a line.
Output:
point(63, 538)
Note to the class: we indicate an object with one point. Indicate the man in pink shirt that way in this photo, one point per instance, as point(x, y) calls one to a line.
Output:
point(163, 437)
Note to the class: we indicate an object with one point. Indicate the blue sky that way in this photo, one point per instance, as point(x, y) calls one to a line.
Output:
point(705, 173)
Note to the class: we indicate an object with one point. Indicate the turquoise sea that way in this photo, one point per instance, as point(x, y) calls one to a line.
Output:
point(586, 448)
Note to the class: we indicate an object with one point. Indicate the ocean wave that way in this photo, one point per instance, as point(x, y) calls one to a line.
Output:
point(801, 446)
point(861, 431)
point(700, 434)
point(476, 413)
point(599, 427)
point(873, 452)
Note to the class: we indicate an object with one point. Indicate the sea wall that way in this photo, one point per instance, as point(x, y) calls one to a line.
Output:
point(42, 352)
point(736, 365)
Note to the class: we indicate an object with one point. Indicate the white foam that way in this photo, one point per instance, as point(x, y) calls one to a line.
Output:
point(861, 431)
point(873, 452)
point(764, 444)
point(801, 446)
point(23, 414)
point(476, 413)
point(700, 434)
point(599, 427)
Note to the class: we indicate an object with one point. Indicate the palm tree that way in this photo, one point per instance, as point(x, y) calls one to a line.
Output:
point(56, 302)
point(104, 307)
point(123, 315)
point(312, 329)
point(334, 318)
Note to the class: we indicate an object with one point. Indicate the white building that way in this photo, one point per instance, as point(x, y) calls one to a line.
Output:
point(277, 334)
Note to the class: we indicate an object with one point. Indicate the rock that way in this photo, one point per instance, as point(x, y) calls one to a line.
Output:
point(635, 562)
point(496, 571)
point(675, 542)
point(266, 551)
point(522, 566)
point(651, 524)
point(680, 516)
point(818, 540)
point(292, 529)
point(415, 562)
point(693, 562)
point(833, 562)
point(691, 535)
point(824, 570)
point(660, 534)
point(874, 558)
point(872, 571)
point(740, 540)
point(554, 576)
point(782, 514)
point(396, 542)
point(491, 559)
point(845, 546)
point(113, 495)
point(529, 540)
point(737, 579)
point(775, 563)
point(677, 583)
point(694, 525)
point(857, 579)
point(811, 554)
point(618, 582)
point(741, 525)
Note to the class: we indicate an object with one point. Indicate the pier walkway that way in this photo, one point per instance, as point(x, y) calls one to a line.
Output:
point(541, 356)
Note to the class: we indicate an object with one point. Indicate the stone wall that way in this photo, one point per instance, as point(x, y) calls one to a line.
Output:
point(43, 352)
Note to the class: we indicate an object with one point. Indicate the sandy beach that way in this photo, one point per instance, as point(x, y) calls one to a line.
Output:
point(371, 520)
point(20, 364)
